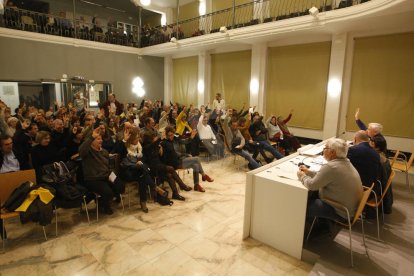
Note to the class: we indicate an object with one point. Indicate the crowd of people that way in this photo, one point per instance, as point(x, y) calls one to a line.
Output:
point(151, 141)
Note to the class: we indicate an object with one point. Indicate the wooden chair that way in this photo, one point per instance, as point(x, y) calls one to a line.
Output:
point(227, 151)
point(392, 159)
point(403, 164)
point(375, 203)
point(9, 182)
point(350, 221)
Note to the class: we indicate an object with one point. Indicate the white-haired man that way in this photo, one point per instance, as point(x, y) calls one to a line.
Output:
point(372, 130)
point(337, 180)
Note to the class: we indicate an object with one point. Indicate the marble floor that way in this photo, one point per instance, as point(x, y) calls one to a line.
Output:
point(393, 254)
point(201, 236)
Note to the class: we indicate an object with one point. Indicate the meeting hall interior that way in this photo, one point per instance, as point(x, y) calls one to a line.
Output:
point(206, 137)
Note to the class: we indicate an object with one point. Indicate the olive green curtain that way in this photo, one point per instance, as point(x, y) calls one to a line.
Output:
point(382, 83)
point(297, 78)
point(185, 76)
point(230, 76)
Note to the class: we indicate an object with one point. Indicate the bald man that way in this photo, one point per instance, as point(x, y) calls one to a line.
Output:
point(365, 160)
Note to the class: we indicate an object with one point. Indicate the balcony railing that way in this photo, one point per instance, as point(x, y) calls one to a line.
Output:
point(25, 20)
point(249, 14)
point(256, 12)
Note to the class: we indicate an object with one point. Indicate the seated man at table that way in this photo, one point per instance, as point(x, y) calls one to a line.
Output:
point(337, 180)
point(365, 160)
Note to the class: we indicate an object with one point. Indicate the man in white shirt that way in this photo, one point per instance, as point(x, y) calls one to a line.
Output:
point(207, 137)
point(219, 103)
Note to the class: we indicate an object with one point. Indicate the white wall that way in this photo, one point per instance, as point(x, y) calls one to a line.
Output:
point(9, 93)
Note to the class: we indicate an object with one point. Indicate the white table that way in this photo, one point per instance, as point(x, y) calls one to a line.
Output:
point(275, 205)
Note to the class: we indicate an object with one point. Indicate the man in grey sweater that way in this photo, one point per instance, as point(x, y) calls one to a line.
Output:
point(337, 180)
point(96, 171)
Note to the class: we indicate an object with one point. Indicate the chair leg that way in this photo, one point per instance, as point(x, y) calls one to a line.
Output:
point(56, 220)
point(44, 232)
point(350, 244)
point(3, 231)
point(407, 178)
point(122, 203)
point(376, 209)
point(310, 230)
point(363, 233)
point(129, 199)
point(86, 209)
point(97, 210)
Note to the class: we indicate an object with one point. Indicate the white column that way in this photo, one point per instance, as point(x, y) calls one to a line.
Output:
point(205, 22)
point(203, 84)
point(168, 79)
point(258, 76)
point(335, 87)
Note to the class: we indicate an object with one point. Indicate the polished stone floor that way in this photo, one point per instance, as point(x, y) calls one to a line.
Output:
point(201, 236)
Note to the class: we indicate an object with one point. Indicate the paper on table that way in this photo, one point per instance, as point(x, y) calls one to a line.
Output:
point(314, 151)
point(287, 169)
point(288, 175)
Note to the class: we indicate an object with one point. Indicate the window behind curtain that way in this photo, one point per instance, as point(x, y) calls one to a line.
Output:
point(185, 75)
point(297, 77)
point(382, 83)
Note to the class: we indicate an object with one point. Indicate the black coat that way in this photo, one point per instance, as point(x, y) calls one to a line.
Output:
point(366, 161)
point(170, 156)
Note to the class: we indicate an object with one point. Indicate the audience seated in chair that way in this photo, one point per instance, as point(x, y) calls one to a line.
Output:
point(213, 145)
point(258, 132)
point(276, 135)
point(379, 143)
point(11, 160)
point(293, 141)
point(132, 166)
point(95, 165)
point(366, 161)
point(179, 160)
point(153, 151)
point(236, 142)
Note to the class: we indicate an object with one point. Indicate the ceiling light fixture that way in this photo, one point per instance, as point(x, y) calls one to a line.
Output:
point(223, 29)
point(145, 2)
point(314, 11)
